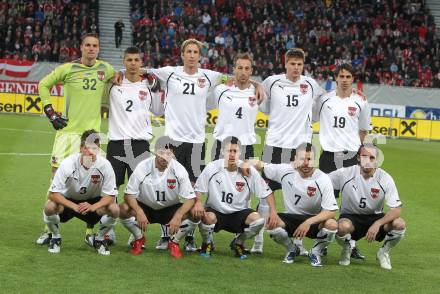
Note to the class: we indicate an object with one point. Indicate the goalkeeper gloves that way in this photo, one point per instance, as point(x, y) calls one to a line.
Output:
point(55, 118)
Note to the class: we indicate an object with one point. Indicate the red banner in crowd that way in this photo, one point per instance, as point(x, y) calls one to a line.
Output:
point(24, 87)
point(15, 68)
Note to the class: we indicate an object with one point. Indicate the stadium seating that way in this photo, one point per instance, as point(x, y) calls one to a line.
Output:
point(388, 42)
point(45, 30)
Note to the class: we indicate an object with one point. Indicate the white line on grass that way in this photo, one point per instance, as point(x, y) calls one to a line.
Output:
point(24, 154)
point(30, 131)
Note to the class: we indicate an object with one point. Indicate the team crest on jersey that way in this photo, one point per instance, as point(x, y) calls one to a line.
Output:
point(171, 183)
point(303, 88)
point(101, 75)
point(95, 179)
point(252, 101)
point(142, 95)
point(374, 193)
point(352, 110)
point(201, 82)
point(239, 186)
point(311, 191)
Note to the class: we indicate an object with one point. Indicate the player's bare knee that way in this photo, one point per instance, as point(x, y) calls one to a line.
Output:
point(209, 218)
point(124, 211)
point(331, 224)
point(113, 210)
point(399, 224)
point(252, 217)
point(344, 227)
point(50, 208)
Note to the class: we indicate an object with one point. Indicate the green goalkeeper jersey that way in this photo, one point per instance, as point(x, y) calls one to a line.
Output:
point(83, 91)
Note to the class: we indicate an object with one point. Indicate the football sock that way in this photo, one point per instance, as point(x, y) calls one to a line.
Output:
point(53, 224)
point(392, 238)
point(323, 238)
point(185, 227)
point(105, 225)
point(280, 236)
point(131, 225)
point(164, 231)
point(207, 232)
point(263, 210)
point(254, 228)
point(343, 240)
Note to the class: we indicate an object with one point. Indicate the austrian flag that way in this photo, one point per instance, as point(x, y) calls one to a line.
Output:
point(15, 68)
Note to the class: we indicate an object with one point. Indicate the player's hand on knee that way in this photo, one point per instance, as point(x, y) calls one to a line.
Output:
point(372, 232)
point(142, 220)
point(174, 224)
point(54, 117)
point(301, 230)
point(272, 221)
point(198, 211)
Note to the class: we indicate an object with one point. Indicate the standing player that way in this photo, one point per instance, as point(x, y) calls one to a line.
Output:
point(186, 92)
point(129, 118)
point(229, 193)
point(237, 108)
point(84, 187)
point(153, 195)
point(290, 98)
point(365, 188)
point(309, 204)
point(344, 118)
point(84, 81)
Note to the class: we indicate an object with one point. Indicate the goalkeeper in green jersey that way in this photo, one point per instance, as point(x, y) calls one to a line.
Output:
point(84, 82)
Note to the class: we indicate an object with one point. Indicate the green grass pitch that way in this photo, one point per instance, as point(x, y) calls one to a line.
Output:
point(28, 268)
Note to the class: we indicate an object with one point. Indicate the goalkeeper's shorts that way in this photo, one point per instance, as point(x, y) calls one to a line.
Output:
point(64, 145)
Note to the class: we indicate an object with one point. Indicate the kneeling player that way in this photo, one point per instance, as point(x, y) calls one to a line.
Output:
point(228, 199)
point(309, 203)
point(84, 186)
point(364, 189)
point(153, 195)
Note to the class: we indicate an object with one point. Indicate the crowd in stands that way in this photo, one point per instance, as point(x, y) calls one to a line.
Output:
point(45, 30)
point(388, 41)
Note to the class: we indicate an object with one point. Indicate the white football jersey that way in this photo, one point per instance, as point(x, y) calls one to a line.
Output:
point(364, 196)
point(74, 181)
point(237, 111)
point(130, 106)
point(227, 191)
point(289, 105)
point(341, 120)
point(159, 189)
point(302, 196)
point(186, 101)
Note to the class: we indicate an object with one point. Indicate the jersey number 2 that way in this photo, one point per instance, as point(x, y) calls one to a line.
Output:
point(130, 104)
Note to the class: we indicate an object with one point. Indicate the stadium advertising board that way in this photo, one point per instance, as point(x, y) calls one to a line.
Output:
point(387, 110)
point(422, 113)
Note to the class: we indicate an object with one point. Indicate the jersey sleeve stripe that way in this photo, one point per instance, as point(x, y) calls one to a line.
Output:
point(271, 86)
point(222, 95)
point(343, 186)
point(284, 176)
point(169, 77)
point(210, 84)
point(145, 178)
point(313, 91)
point(360, 108)
point(381, 187)
point(212, 176)
point(322, 105)
point(320, 192)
